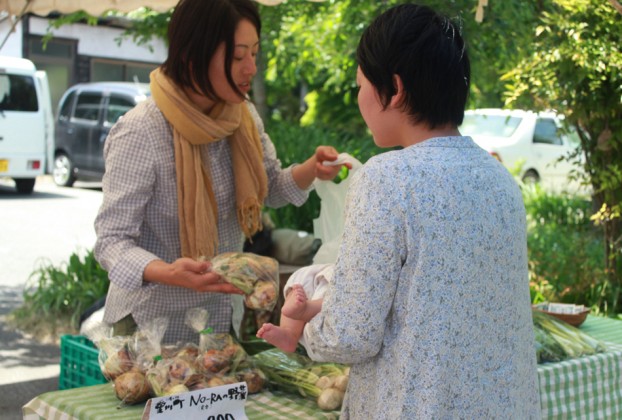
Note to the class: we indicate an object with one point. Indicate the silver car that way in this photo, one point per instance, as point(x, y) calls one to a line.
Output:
point(86, 113)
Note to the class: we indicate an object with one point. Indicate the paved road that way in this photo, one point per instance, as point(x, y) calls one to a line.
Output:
point(45, 227)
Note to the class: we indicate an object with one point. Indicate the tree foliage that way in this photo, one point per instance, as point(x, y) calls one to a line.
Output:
point(575, 70)
point(308, 51)
point(311, 47)
point(570, 63)
point(142, 26)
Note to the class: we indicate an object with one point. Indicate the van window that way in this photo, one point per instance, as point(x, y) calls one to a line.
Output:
point(18, 93)
point(87, 107)
point(117, 106)
point(546, 132)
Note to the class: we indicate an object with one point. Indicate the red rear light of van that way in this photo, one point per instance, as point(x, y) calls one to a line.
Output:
point(34, 164)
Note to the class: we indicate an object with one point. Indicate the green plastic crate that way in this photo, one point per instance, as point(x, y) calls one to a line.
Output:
point(79, 364)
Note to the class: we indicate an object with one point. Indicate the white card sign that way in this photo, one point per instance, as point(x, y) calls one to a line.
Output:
point(224, 402)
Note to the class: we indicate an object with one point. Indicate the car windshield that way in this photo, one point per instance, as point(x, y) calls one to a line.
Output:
point(489, 125)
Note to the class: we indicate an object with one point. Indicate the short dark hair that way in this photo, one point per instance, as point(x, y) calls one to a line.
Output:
point(427, 51)
point(196, 29)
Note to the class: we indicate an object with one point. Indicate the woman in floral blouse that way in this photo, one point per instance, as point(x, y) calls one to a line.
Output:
point(429, 301)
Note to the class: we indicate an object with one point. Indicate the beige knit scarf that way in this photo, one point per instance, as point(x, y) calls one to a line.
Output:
point(198, 213)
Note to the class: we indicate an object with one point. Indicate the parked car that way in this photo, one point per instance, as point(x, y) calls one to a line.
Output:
point(86, 112)
point(532, 141)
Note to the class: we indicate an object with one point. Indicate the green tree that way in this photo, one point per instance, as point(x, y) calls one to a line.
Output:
point(575, 70)
point(308, 63)
point(310, 47)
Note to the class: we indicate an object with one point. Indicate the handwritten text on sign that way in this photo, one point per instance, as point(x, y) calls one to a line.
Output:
point(224, 402)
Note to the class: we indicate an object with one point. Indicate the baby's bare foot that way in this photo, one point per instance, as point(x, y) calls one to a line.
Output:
point(295, 304)
point(278, 337)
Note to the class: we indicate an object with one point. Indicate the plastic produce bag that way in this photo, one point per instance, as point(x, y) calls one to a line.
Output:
point(255, 275)
point(124, 360)
point(218, 360)
point(329, 225)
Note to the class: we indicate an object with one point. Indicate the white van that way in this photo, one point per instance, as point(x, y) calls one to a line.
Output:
point(26, 123)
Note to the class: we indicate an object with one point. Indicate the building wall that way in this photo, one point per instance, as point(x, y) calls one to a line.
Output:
point(99, 41)
point(13, 45)
point(79, 53)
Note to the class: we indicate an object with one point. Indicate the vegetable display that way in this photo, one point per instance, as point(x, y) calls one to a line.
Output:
point(140, 368)
point(188, 368)
point(326, 383)
point(557, 340)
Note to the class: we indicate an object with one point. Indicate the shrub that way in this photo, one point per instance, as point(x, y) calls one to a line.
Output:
point(55, 297)
point(566, 251)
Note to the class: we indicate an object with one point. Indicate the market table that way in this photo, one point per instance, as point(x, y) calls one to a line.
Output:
point(99, 402)
point(588, 387)
point(605, 329)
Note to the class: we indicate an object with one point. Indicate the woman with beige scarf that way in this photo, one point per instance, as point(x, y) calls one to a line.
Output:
point(187, 173)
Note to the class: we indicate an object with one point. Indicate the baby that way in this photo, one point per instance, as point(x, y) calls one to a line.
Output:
point(298, 309)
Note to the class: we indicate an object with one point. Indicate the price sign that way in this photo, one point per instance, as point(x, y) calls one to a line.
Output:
point(219, 403)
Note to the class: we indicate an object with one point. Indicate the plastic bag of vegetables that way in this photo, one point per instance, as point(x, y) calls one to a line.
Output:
point(115, 356)
point(124, 360)
point(120, 354)
point(147, 342)
point(218, 360)
point(190, 368)
point(557, 340)
point(326, 383)
point(175, 376)
point(255, 275)
point(123, 366)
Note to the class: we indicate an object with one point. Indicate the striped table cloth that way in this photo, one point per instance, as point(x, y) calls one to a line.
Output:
point(605, 329)
point(588, 387)
point(584, 388)
point(98, 402)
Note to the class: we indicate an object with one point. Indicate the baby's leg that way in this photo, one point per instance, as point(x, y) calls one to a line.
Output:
point(297, 306)
point(285, 336)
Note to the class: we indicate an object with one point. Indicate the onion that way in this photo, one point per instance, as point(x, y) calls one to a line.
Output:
point(341, 383)
point(325, 382)
point(215, 361)
point(131, 387)
point(254, 379)
point(118, 363)
point(330, 399)
point(174, 389)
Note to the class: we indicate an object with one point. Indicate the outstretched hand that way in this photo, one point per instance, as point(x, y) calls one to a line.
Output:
point(188, 273)
point(325, 172)
point(305, 173)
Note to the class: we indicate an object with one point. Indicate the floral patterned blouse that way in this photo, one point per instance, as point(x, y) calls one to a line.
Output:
point(430, 300)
